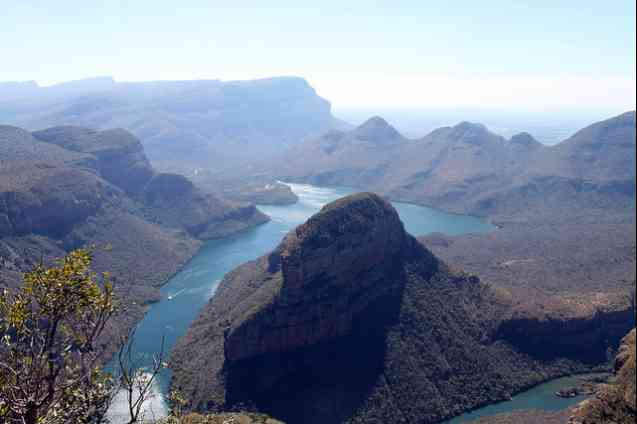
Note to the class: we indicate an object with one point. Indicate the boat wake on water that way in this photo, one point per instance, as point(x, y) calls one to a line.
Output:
point(174, 295)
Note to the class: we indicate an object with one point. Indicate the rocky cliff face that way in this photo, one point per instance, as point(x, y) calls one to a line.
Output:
point(173, 200)
point(120, 157)
point(350, 319)
point(54, 200)
point(168, 199)
point(331, 268)
point(68, 187)
point(617, 401)
point(582, 335)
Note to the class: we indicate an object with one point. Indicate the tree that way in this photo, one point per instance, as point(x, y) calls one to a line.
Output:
point(137, 382)
point(49, 356)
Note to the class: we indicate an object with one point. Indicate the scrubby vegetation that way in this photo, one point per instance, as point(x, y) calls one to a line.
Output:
point(50, 345)
point(51, 353)
point(422, 342)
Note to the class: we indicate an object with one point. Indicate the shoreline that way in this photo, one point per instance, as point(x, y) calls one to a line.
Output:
point(487, 219)
point(525, 389)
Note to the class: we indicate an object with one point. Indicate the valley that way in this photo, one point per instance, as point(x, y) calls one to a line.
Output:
point(523, 270)
point(191, 288)
point(318, 213)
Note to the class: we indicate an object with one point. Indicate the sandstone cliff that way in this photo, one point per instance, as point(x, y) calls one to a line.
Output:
point(350, 319)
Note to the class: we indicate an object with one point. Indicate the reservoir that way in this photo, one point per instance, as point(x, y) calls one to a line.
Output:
point(189, 290)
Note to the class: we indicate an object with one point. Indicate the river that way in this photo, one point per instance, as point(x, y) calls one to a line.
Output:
point(540, 397)
point(189, 290)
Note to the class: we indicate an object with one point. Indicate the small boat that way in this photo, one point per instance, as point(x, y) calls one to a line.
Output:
point(172, 296)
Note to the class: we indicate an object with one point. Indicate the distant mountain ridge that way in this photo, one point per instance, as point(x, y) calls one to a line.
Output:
point(202, 122)
point(468, 169)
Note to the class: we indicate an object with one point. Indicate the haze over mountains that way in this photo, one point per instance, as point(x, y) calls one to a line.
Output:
point(179, 122)
point(468, 169)
point(350, 319)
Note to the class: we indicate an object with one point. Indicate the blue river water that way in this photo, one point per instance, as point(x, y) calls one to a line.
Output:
point(191, 288)
point(540, 397)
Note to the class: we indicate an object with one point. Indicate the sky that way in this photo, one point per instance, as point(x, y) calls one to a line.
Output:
point(501, 55)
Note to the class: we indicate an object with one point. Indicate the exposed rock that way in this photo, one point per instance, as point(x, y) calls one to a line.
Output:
point(350, 319)
point(54, 201)
point(120, 156)
point(570, 284)
point(346, 250)
point(583, 335)
point(70, 187)
point(615, 403)
point(173, 200)
point(20, 149)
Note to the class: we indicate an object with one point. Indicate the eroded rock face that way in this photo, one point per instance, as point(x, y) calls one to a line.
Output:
point(174, 200)
point(69, 187)
point(584, 336)
point(350, 319)
point(168, 199)
point(120, 155)
point(331, 267)
point(55, 200)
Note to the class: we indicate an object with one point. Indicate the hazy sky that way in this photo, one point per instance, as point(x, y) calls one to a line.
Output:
point(527, 55)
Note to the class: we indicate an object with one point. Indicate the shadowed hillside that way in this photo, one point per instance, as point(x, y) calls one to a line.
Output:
point(68, 187)
point(350, 319)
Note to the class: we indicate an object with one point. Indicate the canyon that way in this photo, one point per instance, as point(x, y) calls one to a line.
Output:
point(350, 319)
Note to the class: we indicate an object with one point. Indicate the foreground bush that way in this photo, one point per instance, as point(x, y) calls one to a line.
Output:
point(49, 355)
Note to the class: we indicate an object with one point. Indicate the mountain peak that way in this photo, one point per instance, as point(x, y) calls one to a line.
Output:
point(378, 130)
point(357, 214)
point(471, 133)
point(351, 246)
point(470, 126)
point(524, 139)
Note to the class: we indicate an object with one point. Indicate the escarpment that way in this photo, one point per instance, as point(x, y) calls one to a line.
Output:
point(586, 335)
point(331, 268)
point(351, 320)
point(69, 187)
point(119, 156)
point(174, 200)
